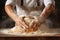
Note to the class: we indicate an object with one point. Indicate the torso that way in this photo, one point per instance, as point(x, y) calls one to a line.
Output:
point(29, 7)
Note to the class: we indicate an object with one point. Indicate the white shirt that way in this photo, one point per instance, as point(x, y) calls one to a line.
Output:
point(28, 5)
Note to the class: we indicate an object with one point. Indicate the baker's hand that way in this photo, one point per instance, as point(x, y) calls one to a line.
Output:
point(20, 23)
point(39, 22)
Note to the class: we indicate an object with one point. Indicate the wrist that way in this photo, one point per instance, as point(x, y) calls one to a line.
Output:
point(17, 19)
point(41, 19)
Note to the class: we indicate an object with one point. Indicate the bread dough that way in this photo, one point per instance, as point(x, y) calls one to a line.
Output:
point(29, 20)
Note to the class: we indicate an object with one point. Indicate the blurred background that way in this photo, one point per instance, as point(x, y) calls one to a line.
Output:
point(6, 22)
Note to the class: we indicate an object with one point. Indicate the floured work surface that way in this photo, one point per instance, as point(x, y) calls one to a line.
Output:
point(43, 31)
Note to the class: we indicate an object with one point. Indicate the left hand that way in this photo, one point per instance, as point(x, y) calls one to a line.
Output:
point(36, 24)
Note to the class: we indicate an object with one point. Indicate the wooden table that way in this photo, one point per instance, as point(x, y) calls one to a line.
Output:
point(44, 37)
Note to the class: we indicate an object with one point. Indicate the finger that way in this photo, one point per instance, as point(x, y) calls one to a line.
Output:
point(20, 25)
point(38, 24)
point(34, 25)
point(25, 25)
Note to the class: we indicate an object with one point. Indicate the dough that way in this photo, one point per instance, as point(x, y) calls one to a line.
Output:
point(29, 20)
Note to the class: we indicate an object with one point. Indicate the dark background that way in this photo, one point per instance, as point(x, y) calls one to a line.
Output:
point(6, 22)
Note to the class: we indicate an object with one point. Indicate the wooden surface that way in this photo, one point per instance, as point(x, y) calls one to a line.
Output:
point(19, 35)
point(30, 38)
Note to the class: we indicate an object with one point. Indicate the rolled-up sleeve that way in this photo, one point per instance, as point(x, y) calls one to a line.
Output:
point(47, 2)
point(12, 2)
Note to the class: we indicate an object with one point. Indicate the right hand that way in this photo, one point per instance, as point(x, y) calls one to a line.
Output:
point(21, 24)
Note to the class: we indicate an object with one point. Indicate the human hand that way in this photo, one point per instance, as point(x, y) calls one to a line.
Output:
point(21, 24)
point(36, 24)
point(39, 22)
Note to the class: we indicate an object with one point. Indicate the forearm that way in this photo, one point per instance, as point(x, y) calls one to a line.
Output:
point(11, 13)
point(46, 12)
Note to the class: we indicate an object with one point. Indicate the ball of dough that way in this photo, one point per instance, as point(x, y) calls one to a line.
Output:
point(30, 20)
